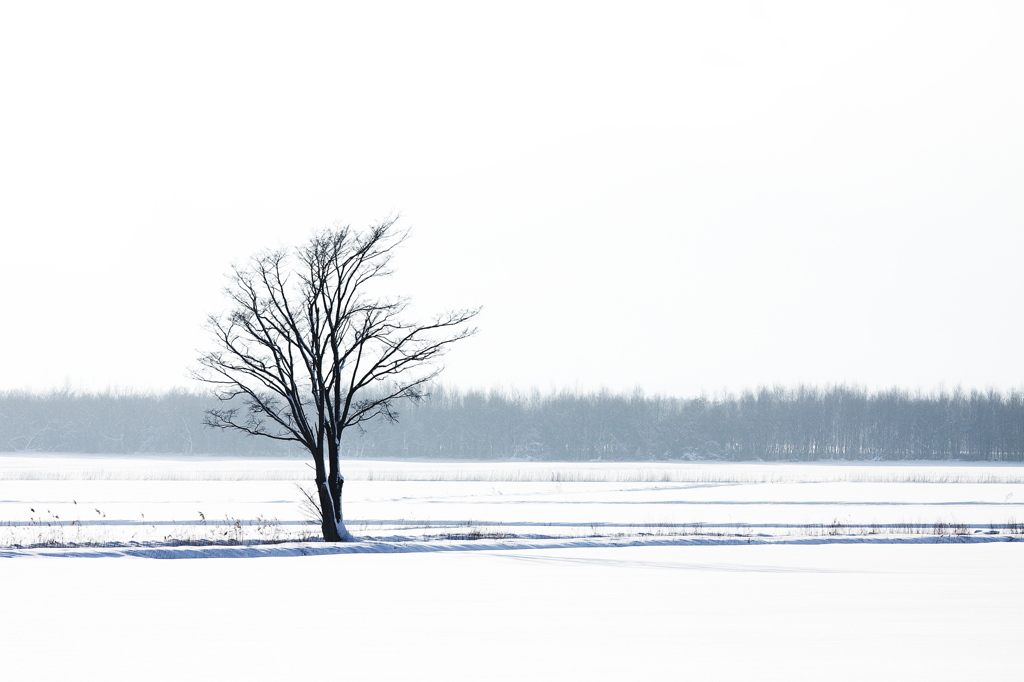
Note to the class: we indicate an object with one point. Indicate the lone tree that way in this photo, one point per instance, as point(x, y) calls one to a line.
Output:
point(310, 348)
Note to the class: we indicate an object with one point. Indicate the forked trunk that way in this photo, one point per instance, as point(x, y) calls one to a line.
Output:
point(332, 525)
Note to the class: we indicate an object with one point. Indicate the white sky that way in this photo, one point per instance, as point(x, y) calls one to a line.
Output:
point(678, 196)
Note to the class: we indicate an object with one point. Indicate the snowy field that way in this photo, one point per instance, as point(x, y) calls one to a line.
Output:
point(511, 571)
point(61, 501)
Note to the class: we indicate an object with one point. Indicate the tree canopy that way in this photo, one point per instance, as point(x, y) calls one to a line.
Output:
point(311, 347)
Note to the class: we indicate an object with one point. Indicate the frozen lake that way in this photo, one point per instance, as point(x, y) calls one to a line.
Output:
point(548, 571)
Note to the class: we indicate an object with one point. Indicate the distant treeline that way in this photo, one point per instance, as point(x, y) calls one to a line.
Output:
point(779, 424)
point(117, 422)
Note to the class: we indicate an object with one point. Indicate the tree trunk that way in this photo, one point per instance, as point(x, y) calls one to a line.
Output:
point(328, 488)
point(337, 481)
point(331, 524)
point(328, 524)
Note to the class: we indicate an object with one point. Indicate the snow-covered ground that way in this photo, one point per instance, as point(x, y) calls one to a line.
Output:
point(511, 571)
point(62, 500)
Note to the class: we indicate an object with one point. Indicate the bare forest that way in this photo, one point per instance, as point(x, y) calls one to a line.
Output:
point(772, 424)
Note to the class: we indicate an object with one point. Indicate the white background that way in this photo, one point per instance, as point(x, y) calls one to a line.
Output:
point(677, 196)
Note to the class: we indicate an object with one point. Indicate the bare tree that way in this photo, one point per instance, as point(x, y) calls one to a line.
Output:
point(310, 348)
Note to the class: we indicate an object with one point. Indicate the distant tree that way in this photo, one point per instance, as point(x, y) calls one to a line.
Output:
point(310, 348)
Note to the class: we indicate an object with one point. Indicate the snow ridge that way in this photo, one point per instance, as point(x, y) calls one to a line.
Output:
point(397, 546)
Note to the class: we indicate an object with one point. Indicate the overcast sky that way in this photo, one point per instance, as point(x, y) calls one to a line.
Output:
point(684, 197)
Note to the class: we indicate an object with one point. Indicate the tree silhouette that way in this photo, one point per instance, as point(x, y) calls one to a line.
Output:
point(310, 348)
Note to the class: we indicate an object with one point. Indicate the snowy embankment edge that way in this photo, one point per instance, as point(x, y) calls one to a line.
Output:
point(404, 547)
